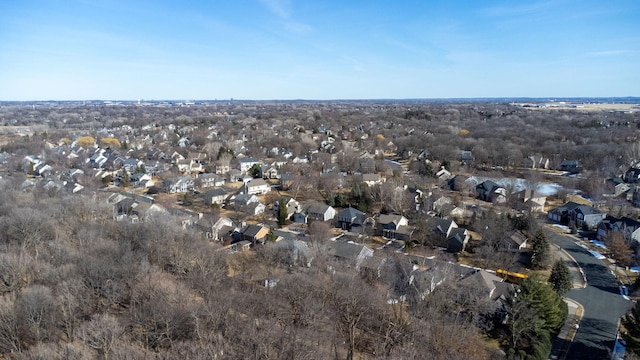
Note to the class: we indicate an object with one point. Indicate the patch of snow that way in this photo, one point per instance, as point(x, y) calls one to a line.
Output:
point(563, 227)
point(618, 349)
point(599, 244)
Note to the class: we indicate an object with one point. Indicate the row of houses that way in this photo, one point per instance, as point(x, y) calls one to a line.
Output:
point(588, 217)
point(496, 193)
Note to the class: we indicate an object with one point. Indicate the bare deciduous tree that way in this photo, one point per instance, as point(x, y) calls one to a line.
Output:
point(38, 313)
point(9, 324)
point(100, 333)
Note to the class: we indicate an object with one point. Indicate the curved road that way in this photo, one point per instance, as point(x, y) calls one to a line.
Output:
point(602, 302)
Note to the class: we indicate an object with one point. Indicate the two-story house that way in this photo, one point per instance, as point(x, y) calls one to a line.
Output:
point(351, 219)
point(256, 187)
point(207, 180)
point(491, 192)
point(577, 214)
point(320, 212)
point(394, 226)
point(180, 184)
point(247, 163)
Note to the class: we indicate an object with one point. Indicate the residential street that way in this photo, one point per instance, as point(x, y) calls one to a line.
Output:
point(602, 302)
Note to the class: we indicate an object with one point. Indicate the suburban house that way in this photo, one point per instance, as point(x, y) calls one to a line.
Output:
point(255, 233)
point(99, 158)
point(297, 252)
point(629, 228)
point(269, 172)
point(443, 174)
point(180, 184)
point(454, 238)
point(215, 196)
point(517, 241)
point(466, 156)
point(255, 208)
point(532, 200)
point(320, 212)
point(491, 192)
point(458, 239)
point(248, 203)
point(292, 205)
point(351, 219)
point(394, 226)
point(247, 163)
point(189, 166)
point(234, 175)
point(220, 230)
point(578, 214)
point(131, 164)
point(141, 180)
point(131, 207)
point(371, 179)
point(286, 180)
point(421, 283)
point(571, 166)
point(617, 187)
point(256, 186)
point(493, 286)
point(536, 162)
point(349, 251)
point(221, 169)
point(635, 198)
point(240, 246)
point(632, 175)
point(207, 180)
point(244, 199)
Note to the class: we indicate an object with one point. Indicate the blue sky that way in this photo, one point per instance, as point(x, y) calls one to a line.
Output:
point(317, 49)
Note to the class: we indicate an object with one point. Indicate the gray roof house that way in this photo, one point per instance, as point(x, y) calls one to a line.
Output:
point(216, 196)
point(320, 212)
point(394, 226)
point(628, 227)
point(491, 192)
point(247, 163)
point(351, 252)
point(180, 184)
point(351, 219)
point(578, 214)
point(454, 238)
point(256, 186)
point(209, 180)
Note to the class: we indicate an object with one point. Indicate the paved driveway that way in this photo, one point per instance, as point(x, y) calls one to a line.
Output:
point(602, 302)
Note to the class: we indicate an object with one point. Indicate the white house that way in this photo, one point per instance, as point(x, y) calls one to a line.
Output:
point(209, 180)
point(247, 163)
point(320, 212)
point(178, 185)
point(256, 187)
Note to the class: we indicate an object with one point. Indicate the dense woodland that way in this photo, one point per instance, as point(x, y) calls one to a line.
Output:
point(77, 284)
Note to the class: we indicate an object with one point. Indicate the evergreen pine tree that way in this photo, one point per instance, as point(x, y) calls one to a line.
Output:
point(540, 251)
point(271, 236)
point(125, 180)
point(560, 278)
point(282, 213)
point(187, 199)
point(631, 323)
point(550, 306)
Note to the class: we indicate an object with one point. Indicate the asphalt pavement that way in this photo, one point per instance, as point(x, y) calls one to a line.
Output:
point(601, 300)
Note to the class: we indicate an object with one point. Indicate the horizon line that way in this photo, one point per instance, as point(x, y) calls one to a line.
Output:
point(547, 98)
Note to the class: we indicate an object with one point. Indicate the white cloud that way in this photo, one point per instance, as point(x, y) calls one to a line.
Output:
point(280, 8)
point(297, 28)
point(527, 9)
point(607, 53)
